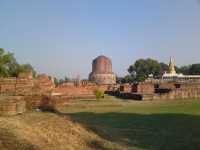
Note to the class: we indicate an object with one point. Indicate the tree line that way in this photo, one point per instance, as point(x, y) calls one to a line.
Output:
point(9, 67)
point(143, 68)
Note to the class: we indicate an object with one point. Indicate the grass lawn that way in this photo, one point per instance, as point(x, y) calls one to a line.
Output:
point(149, 125)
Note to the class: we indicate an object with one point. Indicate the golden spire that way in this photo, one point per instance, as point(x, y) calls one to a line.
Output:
point(172, 69)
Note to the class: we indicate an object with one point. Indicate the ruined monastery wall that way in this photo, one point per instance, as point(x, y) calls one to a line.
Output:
point(188, 91)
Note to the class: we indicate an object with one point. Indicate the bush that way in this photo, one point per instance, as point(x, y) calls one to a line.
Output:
point(99, 94)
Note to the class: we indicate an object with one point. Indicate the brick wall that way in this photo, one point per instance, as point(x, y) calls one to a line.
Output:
point(26, 86)
point(12, 105)
point(82, 92)
point(125, 88)
point(143, 88)
point(185, 91)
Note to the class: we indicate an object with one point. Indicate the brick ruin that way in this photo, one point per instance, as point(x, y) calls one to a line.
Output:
point(178, 91)
point(143, 88)
point(25, 92)
point(12, 105)
point(81, 91)
point(158, 91)
point(41, 93)
point(16, 94)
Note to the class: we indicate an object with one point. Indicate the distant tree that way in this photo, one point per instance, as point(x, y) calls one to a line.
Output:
point(56, 81)
point(143, 67)
point(119, 79)
point(194, 69)
point(185, 70)
point(9, 66)
point(61, 81)
point(26, 68)
point(164, 67)
point(66, 79)
point(128, 79)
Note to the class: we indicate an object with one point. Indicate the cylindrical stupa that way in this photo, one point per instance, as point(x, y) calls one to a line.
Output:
point(102, 71)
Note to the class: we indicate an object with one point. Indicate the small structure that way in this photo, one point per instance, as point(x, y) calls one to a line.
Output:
point(102, 71)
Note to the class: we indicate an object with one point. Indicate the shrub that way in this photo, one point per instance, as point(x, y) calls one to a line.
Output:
point(99, 94)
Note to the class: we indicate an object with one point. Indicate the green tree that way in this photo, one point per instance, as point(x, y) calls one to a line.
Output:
point(9, 66)
point(142, 68)
point(164, 68)
point(194, 69)
point(185, 70)
point(66, 79)
point(128, 79)
point(26, 68)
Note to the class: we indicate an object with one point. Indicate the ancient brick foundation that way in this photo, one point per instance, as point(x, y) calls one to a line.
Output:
point(78, 92)
point(125, 88)
point(12, 105)
point(165, 91)
point(17, 94)
point(143, 88)
point(15, 86)
point(186, 91)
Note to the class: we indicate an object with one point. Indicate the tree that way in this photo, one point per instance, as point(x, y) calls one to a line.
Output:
point(60, 81)
point(9, 67)
point(194, 69)
point(143, 67)
point(56, 81)
point(128, 79)
point(185, 70)
point(164, 67)
point(26, 68)
point(8, 64)
point(66, 79)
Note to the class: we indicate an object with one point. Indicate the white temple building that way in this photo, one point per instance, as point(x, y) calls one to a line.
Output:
point(172, 75)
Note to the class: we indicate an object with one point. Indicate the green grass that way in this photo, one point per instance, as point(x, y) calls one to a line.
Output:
point(149, 125)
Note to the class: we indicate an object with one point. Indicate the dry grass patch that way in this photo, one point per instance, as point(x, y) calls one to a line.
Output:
point(47, 131)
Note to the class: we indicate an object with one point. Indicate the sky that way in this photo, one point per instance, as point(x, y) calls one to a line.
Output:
point(62, 37)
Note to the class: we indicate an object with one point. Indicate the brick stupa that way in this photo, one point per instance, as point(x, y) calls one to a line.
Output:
point(102, 71)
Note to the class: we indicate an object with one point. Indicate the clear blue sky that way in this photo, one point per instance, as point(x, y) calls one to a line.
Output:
point(62, 37)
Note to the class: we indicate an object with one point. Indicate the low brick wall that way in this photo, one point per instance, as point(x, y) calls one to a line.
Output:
point(79, 92)
point(26, 86)
point(44, 83)
point(12, 105)
point(182, 93)
point(125, 88)
point(167, 85)
point(165, 91)
point(143, 88)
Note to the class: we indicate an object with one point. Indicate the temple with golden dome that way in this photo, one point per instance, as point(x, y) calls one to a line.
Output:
point(172, 75)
